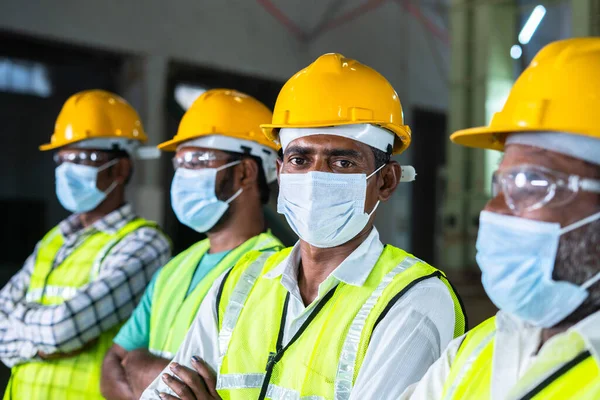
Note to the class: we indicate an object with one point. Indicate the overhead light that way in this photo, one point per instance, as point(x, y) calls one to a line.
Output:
point(532, 24)
point(516, 51)
point(185, 94)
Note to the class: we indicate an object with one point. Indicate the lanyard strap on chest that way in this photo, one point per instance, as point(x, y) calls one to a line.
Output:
point(280, 350)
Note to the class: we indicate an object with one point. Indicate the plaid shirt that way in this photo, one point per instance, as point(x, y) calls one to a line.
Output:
point(28, 328)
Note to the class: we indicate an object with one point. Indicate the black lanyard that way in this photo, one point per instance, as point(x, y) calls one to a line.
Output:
point(557, 374)
point(274, 358)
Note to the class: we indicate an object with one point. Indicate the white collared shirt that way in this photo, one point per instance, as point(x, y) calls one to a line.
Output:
point(403, 346)
point(515, 350)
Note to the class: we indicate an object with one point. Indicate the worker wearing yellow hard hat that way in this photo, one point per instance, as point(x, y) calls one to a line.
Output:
point(60, 312)
point(539, 241)
point(337, 314)
point(223, 165)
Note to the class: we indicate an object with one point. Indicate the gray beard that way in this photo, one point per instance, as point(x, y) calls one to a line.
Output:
point(577, 261)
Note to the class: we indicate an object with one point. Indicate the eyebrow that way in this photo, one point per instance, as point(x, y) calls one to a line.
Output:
point(304, 151)
point(330, 152)
point(343, 153)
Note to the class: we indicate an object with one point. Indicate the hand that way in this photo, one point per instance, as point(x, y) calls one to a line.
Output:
point(141, 368)
point(200, 384)
point(113, 383)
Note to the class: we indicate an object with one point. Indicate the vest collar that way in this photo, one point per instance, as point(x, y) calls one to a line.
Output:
point(354, 270)
point(71, 228)
point(589, 329)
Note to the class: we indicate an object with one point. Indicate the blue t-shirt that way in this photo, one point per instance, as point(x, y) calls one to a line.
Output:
point(135, 333)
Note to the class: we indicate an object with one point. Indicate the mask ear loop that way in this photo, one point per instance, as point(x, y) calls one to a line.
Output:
point(376, 171)
point(374, 208)
point(235, 196)
point(113, 185)
point(108, 164)
point(239, 192)
point(231, 164)
point(378, 201)
point(580, 223)
point(591, 282)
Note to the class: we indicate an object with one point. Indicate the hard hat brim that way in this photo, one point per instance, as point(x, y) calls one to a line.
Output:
point(50, 146)
point(484, 137)
point(170, 145)
point(271, 131)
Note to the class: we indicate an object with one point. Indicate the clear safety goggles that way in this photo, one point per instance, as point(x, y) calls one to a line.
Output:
point(200, 159)
point(84, 157)
point(530, 187)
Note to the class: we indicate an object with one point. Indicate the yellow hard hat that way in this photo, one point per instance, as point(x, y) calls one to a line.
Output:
point(224, 112)
point(558, 92)
point(335, 91)
point(95, 114)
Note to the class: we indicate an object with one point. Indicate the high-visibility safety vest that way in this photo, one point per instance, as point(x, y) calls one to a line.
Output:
point(173, 312)
point(570, 372)
point(76, 377)
point(323, 359)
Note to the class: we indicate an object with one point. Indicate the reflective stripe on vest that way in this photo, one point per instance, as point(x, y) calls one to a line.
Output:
point(355, 310)
point(277, 392)
point(77, 376)
point(234, 308)
point(468, 364)
point(346, 368)
point(162, 354)
point(173, 311)
point(63, 292)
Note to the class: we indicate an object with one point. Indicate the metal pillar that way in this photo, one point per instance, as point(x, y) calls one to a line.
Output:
point(144, 85)
point(585, 17)
point(481, 76)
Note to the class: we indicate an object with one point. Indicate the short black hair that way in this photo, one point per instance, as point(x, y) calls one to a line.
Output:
point(381, 157)
point(263, 187)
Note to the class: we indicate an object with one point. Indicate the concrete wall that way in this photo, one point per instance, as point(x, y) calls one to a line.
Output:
point(232, 34)
point(241, 36)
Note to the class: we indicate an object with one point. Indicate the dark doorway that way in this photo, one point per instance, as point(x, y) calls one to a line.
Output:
point(36, 77)
point(429, 155)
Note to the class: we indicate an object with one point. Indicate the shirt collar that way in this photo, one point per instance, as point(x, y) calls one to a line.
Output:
point(71, 227)
point(588, 329)
point(354, 270)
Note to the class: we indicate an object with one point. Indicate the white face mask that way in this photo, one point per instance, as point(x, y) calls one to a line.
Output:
point(325, 209)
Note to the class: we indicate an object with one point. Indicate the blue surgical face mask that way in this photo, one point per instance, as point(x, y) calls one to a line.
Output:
point(517, 258)
point(76, 186)
point(194, 199)
point(324, 209)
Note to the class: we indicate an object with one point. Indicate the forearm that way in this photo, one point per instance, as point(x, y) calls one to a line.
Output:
point(114, 384)
point(141, 376)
